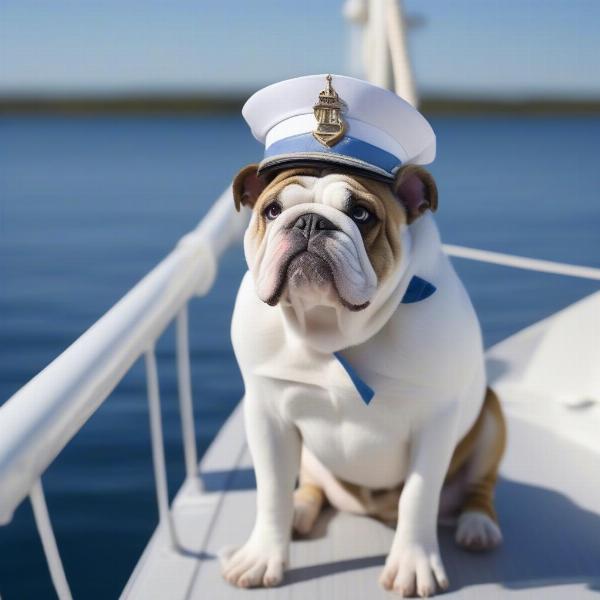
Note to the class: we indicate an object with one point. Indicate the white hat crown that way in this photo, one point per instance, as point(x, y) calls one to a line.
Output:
point(341, 120)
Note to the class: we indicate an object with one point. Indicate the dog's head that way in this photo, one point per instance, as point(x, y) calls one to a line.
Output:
point(323, 237)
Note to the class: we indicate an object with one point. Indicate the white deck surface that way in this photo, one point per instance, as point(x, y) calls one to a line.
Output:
point(548, 505)
point(548, 497)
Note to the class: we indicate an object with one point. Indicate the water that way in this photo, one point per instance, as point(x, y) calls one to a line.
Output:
point(89, 205)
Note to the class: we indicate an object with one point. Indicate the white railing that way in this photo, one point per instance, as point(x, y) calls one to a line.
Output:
point(522, 262)
point(41, 418)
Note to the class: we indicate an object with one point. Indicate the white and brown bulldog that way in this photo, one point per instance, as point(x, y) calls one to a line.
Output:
point(364, 372)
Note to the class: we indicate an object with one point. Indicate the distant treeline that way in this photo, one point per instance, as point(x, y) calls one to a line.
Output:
point(192, 104)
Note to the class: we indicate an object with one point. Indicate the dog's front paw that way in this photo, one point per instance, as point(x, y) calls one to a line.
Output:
point(414, 568)
point(254, 565)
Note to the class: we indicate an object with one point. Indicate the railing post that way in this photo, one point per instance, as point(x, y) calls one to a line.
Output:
point(44, 527)
point(158, 448)
point(184, 385)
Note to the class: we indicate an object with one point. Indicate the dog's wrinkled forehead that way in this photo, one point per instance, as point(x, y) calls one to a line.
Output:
point(302, 189)
point(314, 189)
point(333, 189)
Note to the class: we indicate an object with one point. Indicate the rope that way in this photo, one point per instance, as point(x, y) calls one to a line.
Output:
point(522, 262)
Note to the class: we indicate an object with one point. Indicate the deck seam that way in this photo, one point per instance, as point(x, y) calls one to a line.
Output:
point(215, 514)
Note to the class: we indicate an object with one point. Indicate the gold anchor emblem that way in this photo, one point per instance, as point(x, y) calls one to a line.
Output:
point(328, 113)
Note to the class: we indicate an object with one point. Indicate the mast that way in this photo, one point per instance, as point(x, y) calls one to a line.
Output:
point(385, 57)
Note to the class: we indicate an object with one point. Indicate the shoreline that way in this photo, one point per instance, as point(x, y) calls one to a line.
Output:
point(205, 105)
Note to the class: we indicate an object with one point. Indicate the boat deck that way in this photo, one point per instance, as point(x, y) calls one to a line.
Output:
point(549, 510)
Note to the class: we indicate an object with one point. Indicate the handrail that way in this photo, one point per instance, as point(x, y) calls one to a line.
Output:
point(522, 262)
point(40, 419)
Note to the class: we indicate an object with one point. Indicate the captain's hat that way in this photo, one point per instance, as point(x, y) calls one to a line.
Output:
point(340, 120)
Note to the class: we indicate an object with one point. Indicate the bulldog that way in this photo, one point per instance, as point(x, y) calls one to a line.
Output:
point(363, 367)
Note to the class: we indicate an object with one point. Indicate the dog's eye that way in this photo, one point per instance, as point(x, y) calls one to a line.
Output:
point(360, 214)
point(272, 211)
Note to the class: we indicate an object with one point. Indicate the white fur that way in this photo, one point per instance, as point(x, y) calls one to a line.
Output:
point(424, 361)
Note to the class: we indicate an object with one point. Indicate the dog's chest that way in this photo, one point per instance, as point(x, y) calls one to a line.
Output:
point(361, 442)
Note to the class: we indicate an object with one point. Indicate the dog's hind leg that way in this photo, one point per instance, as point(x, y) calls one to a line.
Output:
point(477, 527)
point(309, 497)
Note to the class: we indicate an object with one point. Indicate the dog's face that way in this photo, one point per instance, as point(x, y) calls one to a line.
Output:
point(326, 238)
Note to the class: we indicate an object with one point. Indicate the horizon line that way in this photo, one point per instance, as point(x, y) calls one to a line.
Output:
point(194, 102)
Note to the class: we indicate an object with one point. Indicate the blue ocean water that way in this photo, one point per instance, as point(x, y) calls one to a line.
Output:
point(89, 205)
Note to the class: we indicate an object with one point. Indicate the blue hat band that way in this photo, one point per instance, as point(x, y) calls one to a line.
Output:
point(348, 151)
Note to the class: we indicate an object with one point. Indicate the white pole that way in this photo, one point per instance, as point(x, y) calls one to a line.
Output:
point(158, 448)
point(184, 384)
point(404, 83)
point(356, 13)
point(44, 527)
point(377, 52)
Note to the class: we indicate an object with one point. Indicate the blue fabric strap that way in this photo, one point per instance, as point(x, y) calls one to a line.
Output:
point(305, 143)
point(418, 289)
point(366, 392)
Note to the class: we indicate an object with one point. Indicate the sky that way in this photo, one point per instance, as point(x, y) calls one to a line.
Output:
point(463, 47)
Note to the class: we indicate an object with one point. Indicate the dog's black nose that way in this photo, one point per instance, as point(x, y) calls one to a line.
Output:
point(310, 223)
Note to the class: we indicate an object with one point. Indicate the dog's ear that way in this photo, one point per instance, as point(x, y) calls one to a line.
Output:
point(248, 186)
point(416, 189)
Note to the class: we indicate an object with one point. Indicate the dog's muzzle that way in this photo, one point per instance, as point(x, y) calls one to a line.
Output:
point(309, 265)
point(317, 255)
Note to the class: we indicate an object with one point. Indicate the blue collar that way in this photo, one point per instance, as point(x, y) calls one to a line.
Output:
point(418, 289)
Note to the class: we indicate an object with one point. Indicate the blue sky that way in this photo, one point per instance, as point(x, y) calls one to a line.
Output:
point(491, 47)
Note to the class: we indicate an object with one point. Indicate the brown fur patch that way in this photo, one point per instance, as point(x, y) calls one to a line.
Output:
point(308, 492)
point(465, 447)
point(382, 242)
point(269, 194)
point(480, 491)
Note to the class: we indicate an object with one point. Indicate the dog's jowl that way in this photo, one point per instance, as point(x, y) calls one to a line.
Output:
point(360, 350)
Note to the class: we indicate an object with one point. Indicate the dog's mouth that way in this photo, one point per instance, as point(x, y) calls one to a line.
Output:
point(306, 268)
